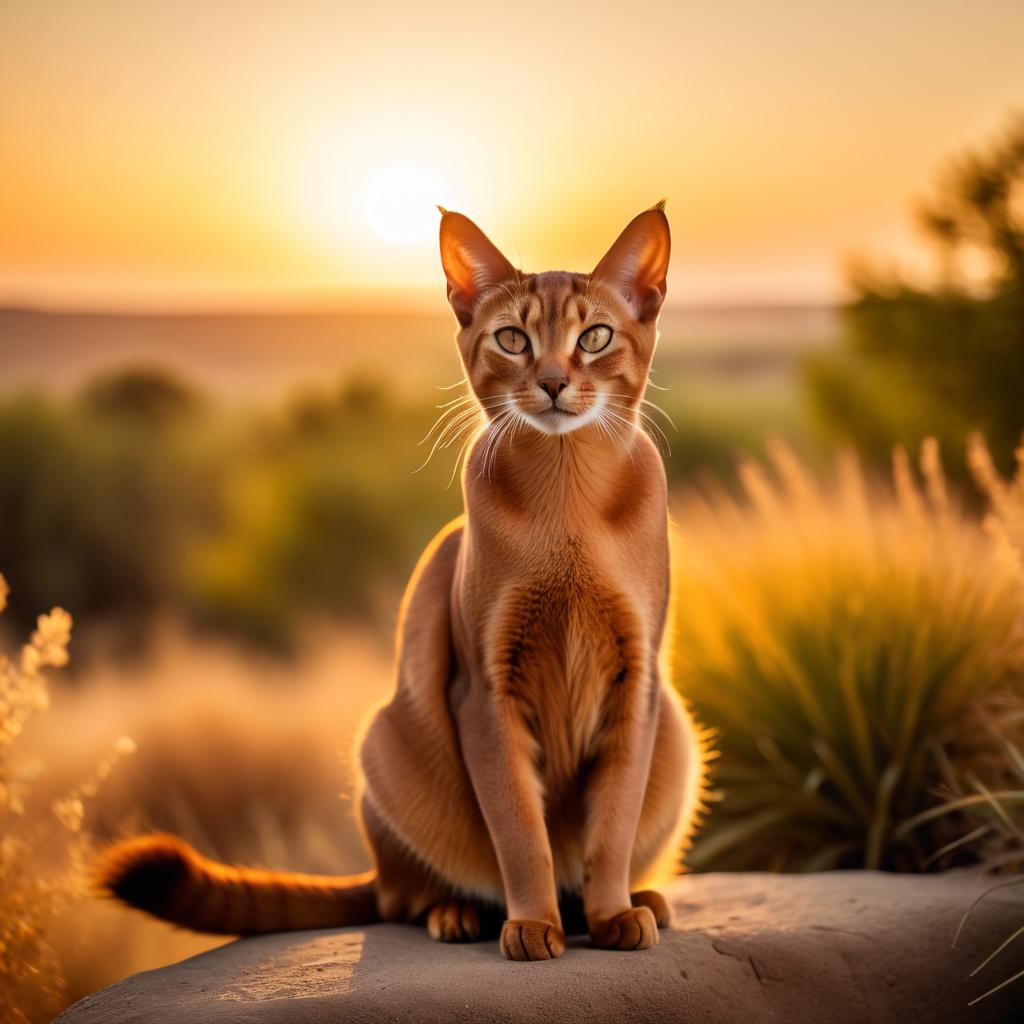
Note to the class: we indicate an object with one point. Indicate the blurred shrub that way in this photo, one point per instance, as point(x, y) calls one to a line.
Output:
point(137, 497)
point(834, 637)
point(321, 512)
point(94, 514)
point(949, 359)
point(706, 426)
point(141, 396)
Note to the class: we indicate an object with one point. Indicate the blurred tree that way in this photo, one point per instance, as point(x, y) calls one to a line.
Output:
point(947, 359)
point(145, 395)
point(91, 515)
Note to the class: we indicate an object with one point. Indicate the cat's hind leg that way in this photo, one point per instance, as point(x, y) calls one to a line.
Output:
point(408, 892)
point(454, 920)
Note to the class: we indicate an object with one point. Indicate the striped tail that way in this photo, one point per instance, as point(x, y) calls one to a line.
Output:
point(167, 878)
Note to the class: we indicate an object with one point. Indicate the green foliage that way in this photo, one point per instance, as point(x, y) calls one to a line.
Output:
point(946, 360)
point(833, 637)
point(706, 426)
point(139, 497)
point(321, 512)
point(90, 512)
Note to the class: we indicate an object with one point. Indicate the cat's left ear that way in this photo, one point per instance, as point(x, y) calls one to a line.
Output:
point(637, 264)
point(472, 264)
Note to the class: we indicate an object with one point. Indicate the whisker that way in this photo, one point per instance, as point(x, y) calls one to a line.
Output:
point(455, 411)
point(622, 430)
point(506, 427)
point(658, 435)
point(467, 420)
point(599, 422)
point(491, 442)
point(460, 457)
point(658, 408)
point(456, 401)
point(457, 425)
point(487, 439)
point(448, 414)
point(433, 448)
point(467, 424)
point(460, 420)
point(644, 401)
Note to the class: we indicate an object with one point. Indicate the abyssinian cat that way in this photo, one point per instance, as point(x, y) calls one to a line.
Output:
point(532, 751)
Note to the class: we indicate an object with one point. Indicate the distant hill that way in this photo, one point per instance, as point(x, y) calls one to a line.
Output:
point(240, 355)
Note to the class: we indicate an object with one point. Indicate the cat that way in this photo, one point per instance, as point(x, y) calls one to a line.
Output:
point(533, 760)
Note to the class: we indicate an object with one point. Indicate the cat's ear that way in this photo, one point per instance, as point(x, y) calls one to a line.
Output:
point(472, 263)
point(636, 265)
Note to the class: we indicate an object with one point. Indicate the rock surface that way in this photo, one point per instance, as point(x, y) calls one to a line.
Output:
point(854, 947)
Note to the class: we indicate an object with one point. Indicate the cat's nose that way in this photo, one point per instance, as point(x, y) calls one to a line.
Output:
point(554, 386)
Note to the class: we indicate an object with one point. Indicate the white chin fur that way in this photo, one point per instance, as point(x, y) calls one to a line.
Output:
point(548, 424)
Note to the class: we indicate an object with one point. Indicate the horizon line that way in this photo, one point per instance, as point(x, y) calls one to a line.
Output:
point(365, 305)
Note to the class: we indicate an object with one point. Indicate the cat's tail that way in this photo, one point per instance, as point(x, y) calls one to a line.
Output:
point(167, 878)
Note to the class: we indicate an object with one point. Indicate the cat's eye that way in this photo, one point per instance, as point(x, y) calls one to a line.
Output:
point(595, 339)
point(512, 340)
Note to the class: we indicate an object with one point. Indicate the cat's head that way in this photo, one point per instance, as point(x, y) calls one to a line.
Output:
point(561, 350)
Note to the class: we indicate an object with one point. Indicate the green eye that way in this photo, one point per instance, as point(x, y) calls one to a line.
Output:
point(595, 339)
point(512, 340)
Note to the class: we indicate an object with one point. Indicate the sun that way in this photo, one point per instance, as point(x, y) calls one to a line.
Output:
point(400, 203)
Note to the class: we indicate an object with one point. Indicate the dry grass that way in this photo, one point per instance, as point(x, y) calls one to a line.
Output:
point(43, 850)
point(245, 757)
point(835, 636)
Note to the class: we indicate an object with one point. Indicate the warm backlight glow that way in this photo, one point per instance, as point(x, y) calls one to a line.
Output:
point(182, 153)
point(400, 203)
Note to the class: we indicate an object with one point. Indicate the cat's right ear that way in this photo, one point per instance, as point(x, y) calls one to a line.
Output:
point(472, 264)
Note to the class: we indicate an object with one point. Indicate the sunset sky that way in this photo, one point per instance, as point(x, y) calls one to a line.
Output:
point(171, 153)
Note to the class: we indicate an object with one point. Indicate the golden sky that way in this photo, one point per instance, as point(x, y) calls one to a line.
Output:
point(178, 152)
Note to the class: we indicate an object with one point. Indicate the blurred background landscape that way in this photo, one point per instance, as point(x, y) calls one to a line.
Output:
point(224, 344)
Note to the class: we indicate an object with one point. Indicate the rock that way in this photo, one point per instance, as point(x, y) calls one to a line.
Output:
point(837, 947)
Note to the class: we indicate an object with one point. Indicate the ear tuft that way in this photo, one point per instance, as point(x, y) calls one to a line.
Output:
point(637, 263)
point(472, 264)
point(442, 209)
point(660, 205)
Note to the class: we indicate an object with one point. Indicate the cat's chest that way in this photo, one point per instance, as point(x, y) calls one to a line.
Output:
point(568, 690)
point(559, 647)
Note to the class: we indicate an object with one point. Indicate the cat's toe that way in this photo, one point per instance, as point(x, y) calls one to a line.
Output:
point(635, 928)
point(454, 921)
point(531, 940)
point(657, 904)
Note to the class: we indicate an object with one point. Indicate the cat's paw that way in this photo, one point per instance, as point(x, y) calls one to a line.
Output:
point(658, 906)
point(454, 921)
point(523, 939)
point(635, 928)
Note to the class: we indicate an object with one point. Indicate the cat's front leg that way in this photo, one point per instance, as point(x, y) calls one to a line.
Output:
point(497, 749)
point(614, 797)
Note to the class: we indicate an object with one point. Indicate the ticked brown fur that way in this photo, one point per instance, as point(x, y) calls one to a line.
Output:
point(532, 751)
